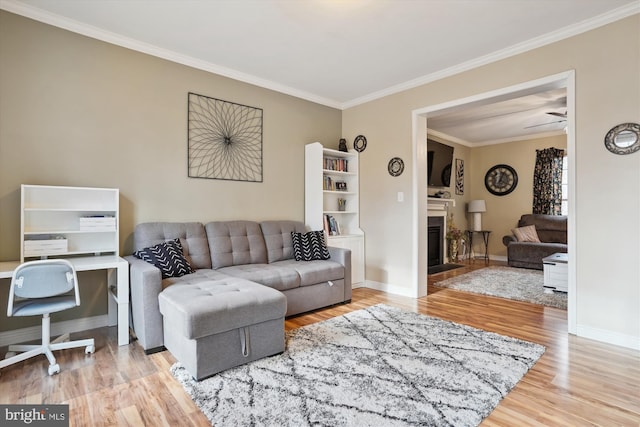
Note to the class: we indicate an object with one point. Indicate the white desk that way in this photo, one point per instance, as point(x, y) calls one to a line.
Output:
point(117, 282)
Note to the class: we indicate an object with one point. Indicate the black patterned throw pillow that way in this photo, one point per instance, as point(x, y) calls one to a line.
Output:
point(167, 257)
point(309, 246)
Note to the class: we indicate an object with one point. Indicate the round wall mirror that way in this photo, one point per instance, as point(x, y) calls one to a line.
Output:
point(623, 139)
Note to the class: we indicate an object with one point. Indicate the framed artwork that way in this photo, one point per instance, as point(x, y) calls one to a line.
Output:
point(225, 140)
point(459, 176)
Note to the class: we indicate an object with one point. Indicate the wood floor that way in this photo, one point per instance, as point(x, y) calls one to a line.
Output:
point(577, 382)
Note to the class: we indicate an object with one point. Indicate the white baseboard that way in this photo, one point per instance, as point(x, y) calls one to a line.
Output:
point(609, 337)
point(59, 328)
point(386, 287)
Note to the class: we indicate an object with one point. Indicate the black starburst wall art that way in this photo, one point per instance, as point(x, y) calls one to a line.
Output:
point(225, 140)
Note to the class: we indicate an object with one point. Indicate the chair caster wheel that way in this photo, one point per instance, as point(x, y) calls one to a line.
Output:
point(9, 354)
point(54, 369)
point(90, 349)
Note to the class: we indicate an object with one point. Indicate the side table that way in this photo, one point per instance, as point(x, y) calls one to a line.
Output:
point(485, 239)
point(555, 272)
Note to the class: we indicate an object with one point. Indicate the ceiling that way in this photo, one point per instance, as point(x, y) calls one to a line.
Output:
point(538, 114)
point(338, 53)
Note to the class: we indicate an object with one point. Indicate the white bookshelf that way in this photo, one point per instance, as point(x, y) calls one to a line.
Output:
point(51, 218)
point(322, 195)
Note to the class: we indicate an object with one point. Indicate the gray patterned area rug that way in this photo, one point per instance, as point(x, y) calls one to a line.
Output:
point(519, 284)
point(380, 366)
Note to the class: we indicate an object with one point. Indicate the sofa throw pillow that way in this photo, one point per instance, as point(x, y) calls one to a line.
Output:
point(309, 246)
point(167, 257)
point(526, 234)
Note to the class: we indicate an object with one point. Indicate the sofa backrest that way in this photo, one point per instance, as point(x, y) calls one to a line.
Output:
point(550, 228)
point(235, 243)
point(277, 236)
point(191, 234)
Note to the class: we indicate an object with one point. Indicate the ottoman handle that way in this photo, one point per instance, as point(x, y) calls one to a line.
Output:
point(244, 341)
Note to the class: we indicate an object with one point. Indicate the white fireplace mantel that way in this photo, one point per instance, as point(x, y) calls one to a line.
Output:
point(439, 204)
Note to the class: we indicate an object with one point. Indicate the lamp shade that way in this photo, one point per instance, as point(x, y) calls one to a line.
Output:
point(477, 206)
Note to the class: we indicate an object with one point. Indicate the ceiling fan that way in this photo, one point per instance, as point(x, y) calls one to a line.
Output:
point(562, 118)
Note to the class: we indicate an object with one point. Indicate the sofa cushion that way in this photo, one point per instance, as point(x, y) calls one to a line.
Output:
point(191, 234)
point(273, 276)
point(198, 276)
point(530, 254)
point(235, 243)
point(526, 234)
point(167, 257)
point(215, 306)
point(309, 246)
point(550, 228)
point(277, 237)
point(314, 272)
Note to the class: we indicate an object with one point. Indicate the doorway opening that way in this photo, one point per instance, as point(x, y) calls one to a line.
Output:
point(420, 119)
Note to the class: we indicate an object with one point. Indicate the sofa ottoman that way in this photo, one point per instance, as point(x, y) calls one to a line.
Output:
point(214, 325)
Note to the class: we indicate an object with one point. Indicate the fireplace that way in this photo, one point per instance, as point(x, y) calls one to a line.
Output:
point(435, 230)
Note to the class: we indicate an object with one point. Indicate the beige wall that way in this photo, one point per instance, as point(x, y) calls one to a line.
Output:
point(503, 212)
point(607, 65)
point(80, 112)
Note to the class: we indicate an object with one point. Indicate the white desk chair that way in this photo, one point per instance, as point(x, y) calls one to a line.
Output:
point(41, 288)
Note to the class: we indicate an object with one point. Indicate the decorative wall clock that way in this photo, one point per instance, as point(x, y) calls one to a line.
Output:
point(396, 166)
point(360, 143)
point(501, 180)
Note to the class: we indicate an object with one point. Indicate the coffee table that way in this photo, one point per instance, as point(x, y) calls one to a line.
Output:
point(555, 272)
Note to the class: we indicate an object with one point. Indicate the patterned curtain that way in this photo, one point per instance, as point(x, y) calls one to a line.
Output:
point(547, 182)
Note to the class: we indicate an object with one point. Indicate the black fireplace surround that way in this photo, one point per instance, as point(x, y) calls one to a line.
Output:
point(435, 226)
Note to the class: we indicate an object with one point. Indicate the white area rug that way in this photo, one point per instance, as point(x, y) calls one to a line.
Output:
point(507, 282)
point(380, 366)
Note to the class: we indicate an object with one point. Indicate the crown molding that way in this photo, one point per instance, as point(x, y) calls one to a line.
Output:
point(447, 137)
point(464, 142)
point(546, 39)
point(72, 25)
point(520, 138)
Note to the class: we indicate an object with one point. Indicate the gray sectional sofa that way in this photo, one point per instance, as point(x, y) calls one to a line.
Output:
point(552, 233)
point(246, 280)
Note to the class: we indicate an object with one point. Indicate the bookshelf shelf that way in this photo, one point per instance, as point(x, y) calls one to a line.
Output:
point(334, 172)
point(64, 221)
point(326, 172)
point(340, 212)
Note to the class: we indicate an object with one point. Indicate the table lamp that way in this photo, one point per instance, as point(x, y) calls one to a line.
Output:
point(476, 207)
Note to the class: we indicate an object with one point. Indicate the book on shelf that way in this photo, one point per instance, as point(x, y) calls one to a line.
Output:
point(338, 165)
point(331, 226)
point(331, 185)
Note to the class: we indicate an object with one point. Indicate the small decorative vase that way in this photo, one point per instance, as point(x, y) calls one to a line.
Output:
point(453, 251)
point(342, 146)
